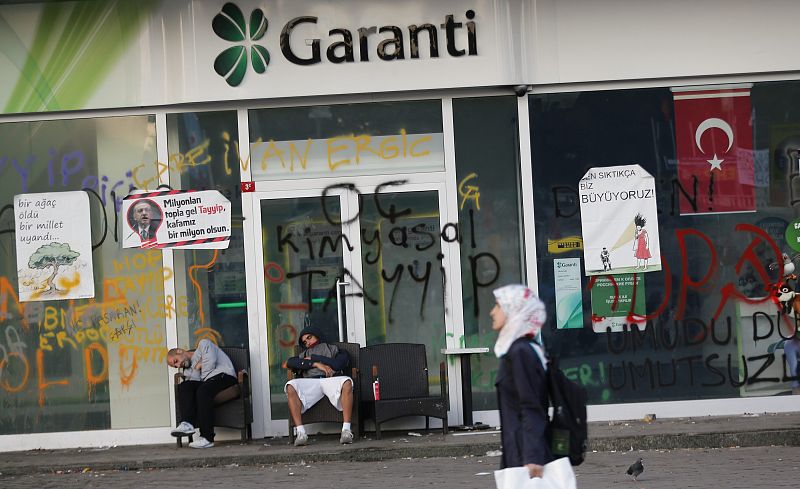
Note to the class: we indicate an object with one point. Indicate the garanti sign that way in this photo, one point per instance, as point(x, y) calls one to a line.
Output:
point(343, 44)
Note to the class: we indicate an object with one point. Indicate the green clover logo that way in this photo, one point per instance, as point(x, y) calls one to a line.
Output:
point(229, 24)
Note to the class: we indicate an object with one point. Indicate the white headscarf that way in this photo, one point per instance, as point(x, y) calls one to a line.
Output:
point(525, 315)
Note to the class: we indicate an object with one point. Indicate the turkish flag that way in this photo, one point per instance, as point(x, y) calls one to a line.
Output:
point(714, 138)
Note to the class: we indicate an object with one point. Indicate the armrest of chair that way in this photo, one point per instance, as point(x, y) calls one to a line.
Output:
point(244, 384)
point(356, 383)
point(244, 392)
point(443, 382)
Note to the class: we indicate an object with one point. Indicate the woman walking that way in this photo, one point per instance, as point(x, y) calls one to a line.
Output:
point(518, 315)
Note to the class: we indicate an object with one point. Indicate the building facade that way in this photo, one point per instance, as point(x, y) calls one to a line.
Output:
point(389, 166)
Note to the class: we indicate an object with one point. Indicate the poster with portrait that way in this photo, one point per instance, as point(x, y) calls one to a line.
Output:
point(619, 221)
point(183, 219)
point(54, 246)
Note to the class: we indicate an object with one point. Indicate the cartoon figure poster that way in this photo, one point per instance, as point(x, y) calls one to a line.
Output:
point(619, 221)
point(180, 219)
point(54, 247)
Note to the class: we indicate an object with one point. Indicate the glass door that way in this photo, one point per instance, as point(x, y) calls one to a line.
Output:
point(304, 254)
point(366, 263)
point(404, 270)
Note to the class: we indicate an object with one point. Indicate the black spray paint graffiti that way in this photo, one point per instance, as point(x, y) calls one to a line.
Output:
point(418, 237)
point(67, 168)
point(691, 332)
point(566, 199)
point(104, 234)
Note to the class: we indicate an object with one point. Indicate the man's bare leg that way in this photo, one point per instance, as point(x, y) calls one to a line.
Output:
point(295, 406)
point(347, 400)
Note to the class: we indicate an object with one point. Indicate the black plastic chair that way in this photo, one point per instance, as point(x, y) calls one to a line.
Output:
point(233, 406)
point(325, 412)
point(402, 371)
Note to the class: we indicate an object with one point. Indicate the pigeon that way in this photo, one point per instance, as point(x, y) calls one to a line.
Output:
point(636, 469)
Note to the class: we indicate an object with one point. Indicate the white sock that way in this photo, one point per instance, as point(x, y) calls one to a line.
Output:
point(345, 426)
point(300, 429)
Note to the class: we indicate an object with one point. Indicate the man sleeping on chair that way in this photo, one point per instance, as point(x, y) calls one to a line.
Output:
point(321, 366)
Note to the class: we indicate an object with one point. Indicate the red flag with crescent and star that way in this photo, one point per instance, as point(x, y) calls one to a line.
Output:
point(714, 137)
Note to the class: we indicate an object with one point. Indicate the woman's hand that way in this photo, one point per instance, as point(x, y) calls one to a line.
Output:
point(534, 470)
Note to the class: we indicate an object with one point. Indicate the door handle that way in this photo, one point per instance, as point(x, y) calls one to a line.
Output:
point(339, 283)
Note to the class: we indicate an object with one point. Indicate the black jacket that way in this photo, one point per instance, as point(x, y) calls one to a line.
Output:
point(151, 229)
point(324, 353)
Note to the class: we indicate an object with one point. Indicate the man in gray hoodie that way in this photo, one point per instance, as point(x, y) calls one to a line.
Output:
point(208, 371)
point(321, 369)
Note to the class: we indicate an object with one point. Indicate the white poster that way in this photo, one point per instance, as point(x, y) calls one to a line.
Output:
point(176, 219)
point(619, 221)
point(54, 246)
point(569, 296)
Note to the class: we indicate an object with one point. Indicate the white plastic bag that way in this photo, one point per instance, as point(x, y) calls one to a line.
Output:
point(557, 475)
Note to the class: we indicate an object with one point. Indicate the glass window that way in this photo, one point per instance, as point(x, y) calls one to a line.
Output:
point(210, 292)
point(713, 323)
point(74, 365)
point(347, 139)
point(487, 172)
point(402, 272)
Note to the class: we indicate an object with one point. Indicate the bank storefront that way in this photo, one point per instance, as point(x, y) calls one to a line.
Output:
point(387, 168)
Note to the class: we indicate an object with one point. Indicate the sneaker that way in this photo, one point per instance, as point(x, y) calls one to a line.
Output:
point(201, 442)
point(301, 440)
point(183, 429)
point(346, 438)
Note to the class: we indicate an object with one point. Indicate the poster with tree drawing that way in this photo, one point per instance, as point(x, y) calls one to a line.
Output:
point(54, 248)
point(619, 221)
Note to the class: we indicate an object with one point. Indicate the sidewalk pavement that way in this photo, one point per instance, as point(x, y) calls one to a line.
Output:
point(764, 429)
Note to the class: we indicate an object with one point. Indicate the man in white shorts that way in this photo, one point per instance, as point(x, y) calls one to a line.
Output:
point(321, 367)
